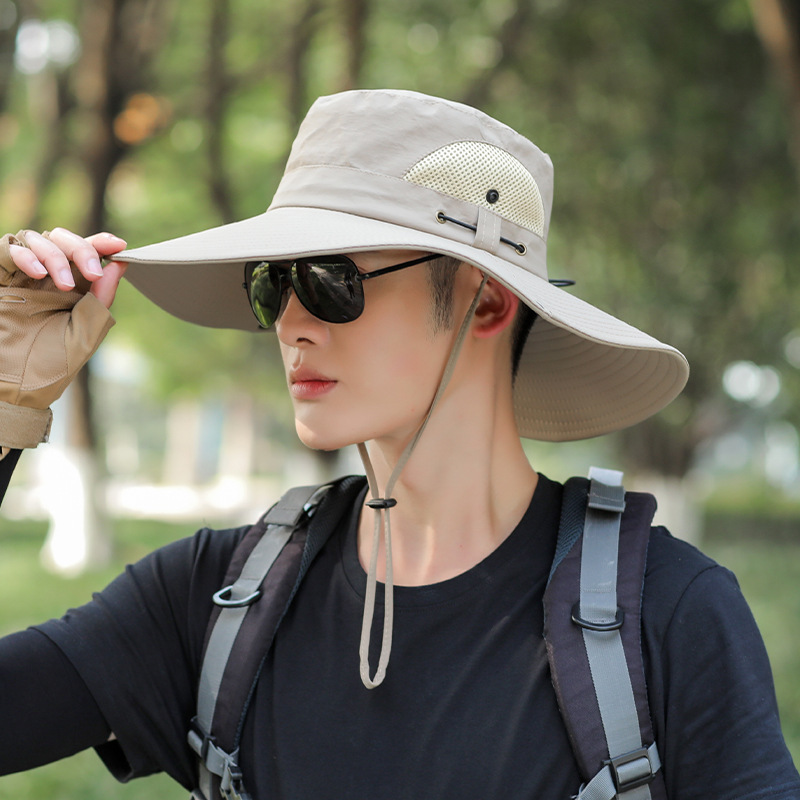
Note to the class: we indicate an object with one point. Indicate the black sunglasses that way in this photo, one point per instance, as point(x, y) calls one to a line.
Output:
point(329, 287)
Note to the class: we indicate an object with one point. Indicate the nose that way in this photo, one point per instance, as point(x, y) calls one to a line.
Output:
point(296, 324)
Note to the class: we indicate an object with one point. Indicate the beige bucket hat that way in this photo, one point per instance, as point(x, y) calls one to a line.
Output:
point(391, 169)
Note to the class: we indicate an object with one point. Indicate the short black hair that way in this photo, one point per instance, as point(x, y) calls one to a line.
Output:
point(523, 322)
point(442, 280)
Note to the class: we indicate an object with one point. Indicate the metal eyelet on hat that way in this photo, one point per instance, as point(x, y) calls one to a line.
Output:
point(492, 196)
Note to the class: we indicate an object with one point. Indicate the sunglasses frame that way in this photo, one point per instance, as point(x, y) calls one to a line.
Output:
point(287, 279)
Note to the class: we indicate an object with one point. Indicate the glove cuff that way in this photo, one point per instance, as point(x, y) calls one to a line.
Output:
point(22, 427)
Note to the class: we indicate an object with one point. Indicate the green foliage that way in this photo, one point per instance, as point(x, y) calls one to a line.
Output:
point(81, 776)
point(676, 208)
point(767, 574)
point(675, 203)
point(751, 497)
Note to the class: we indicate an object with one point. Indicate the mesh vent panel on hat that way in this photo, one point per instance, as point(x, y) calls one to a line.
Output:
point(485, 175)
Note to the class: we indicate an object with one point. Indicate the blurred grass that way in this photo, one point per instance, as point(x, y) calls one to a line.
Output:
point(29, 595)
point(767, 572)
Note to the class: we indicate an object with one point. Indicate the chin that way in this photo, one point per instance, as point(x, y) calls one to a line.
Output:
point(318, 440)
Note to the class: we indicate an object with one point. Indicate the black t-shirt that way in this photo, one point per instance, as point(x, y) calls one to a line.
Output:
point(466, 710)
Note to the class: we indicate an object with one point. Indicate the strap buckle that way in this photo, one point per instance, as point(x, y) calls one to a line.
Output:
point(631, 770)
point(231, 786)
point(198, 739)
point(223, 765)
point(603, 497)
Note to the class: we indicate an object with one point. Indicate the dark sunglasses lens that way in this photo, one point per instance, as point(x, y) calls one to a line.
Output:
point(264, 290)
point(329, 288)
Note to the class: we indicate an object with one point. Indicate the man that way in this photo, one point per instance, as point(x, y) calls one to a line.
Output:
point(399, 264)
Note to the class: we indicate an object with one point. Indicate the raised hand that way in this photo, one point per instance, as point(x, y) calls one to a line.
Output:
point(54, 301)
point(61, 254)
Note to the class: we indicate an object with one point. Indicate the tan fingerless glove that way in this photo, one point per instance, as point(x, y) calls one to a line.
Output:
point(46, 336)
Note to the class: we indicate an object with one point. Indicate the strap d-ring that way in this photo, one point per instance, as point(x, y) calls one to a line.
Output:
point(597, 626)
point(222, 598)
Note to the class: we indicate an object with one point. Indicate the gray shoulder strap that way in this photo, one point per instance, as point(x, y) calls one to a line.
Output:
point(632, 765)
point(234, 600)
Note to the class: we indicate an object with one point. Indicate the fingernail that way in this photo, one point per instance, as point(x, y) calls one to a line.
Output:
point(39, 269)
point(93, 266)
point(66, 277)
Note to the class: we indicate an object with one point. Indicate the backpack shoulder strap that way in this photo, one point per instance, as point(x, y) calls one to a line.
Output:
point(263, 576)
point(593, 606)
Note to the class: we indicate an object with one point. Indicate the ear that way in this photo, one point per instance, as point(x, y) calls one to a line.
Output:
point(496, 310)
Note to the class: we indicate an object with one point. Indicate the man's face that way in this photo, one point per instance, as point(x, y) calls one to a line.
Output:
point(372, 378)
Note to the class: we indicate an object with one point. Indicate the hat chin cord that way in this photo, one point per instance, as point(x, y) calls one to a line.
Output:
point(382, 505)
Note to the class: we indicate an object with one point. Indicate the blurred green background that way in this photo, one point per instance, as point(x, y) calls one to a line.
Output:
point(675, 133)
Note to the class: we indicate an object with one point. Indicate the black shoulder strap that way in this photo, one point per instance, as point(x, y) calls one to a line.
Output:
point(7, 465)
point(593, 633)
point(261, 581)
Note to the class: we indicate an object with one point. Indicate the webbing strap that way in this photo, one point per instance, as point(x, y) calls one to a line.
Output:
point(600, 619)
point(235, 600)
point(231, 618)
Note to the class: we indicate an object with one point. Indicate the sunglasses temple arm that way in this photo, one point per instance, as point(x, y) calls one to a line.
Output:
point(362, 276)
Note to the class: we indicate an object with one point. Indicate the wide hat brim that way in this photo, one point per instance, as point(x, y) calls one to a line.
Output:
point(583, 372)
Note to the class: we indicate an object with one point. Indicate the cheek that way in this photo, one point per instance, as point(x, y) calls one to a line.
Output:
point(389, 365)
point(405, 370)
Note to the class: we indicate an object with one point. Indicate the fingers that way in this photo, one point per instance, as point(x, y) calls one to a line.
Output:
point(105, 288)
point(27, 261)
point(54, 258)
point(106, 244)
point(52, 255)
point(85, 254)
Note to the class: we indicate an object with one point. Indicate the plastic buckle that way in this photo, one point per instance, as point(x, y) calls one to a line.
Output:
point(603, 497)
point(631, 770)
point(198, 739)
point(231, 786)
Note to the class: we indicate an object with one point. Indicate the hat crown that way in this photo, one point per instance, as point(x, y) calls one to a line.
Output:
point(384, 142)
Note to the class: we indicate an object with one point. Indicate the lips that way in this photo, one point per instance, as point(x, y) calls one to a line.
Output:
point(308, 384)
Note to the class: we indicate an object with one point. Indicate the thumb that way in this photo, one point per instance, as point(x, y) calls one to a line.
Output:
point(105, 288)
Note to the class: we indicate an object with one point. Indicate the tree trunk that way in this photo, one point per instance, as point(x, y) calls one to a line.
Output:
point(355, 14)
point(181, 451)
point(512, 41)
point(8, 42)
point(216, 105)
point(119, 38)
point(778, 26)
point(299, 43)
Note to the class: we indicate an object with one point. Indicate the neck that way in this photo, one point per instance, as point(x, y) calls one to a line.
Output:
point(464, 489)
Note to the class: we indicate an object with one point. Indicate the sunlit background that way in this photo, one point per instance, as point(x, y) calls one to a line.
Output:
point(674, 129)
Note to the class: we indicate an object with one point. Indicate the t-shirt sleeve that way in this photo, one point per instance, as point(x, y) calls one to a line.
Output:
point(47, 710)
point(137, 647)
point(712, 691)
